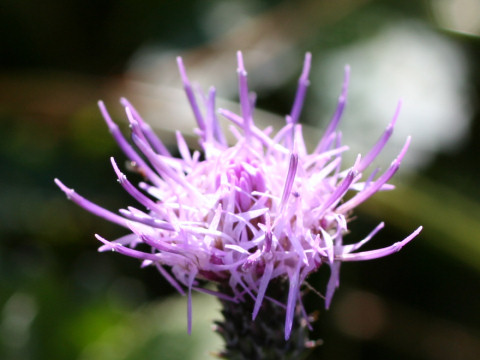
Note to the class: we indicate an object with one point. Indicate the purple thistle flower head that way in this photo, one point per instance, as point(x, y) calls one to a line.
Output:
point(243, 214)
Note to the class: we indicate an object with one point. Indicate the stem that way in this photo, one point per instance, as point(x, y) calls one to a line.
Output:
point(262, 338)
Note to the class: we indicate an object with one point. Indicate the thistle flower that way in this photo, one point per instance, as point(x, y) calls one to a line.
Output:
point(248, 214)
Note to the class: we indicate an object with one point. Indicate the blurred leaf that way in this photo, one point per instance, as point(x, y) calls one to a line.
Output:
point(159, 331)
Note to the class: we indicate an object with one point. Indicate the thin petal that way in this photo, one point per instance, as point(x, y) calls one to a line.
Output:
point(374, 254)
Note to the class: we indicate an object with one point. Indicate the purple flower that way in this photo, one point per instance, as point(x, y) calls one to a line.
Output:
point(245, 214)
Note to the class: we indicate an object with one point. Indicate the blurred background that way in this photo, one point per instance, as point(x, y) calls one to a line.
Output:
point(60, 299)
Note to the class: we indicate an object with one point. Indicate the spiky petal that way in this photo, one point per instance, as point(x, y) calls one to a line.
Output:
point(245, 216)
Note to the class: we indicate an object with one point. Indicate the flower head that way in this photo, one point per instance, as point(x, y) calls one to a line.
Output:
point(243, 215)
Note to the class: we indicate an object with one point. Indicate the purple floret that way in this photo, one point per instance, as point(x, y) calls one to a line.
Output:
point(246, 213)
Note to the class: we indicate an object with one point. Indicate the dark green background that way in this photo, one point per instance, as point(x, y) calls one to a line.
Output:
point(60, 299)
